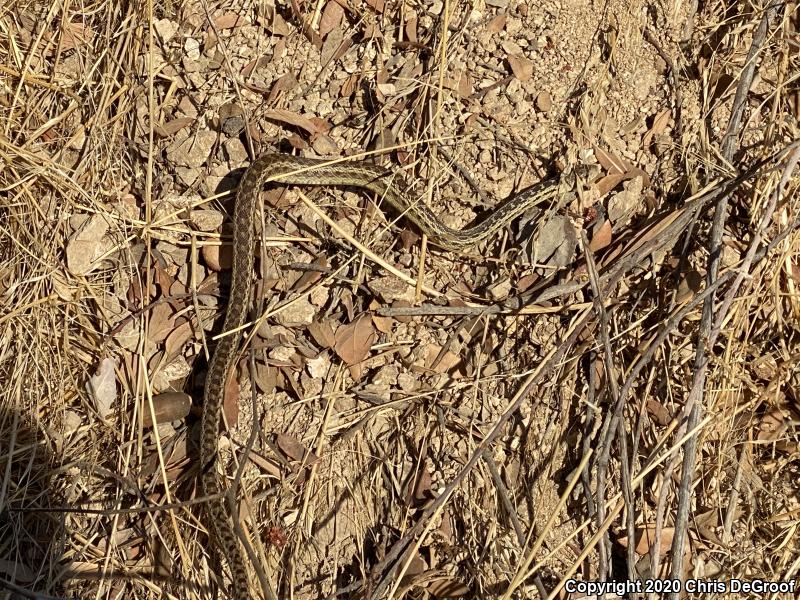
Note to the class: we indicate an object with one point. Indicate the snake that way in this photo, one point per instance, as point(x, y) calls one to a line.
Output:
point(287, 169)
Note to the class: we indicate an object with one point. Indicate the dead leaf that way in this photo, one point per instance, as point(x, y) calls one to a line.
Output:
point(691, 283)
point(645, 536)
point(74, 35)
point(383, 324)
point(521, 67)
point(772, 426)
point(177, 339)
point(377, 5)
point(412, 22)
point(465, 88)
point(440, 364)
point(87, 244)
point(229, 20)
point(602, 237)
point(659, 126)
point(296, 450)
point(331, 18)
point(497, 23)
point(17, 571)
point(611, 162)
point(322, 332)
point(254, 64)
point(162, 322)
point(609, 182)
point(172, 127)
point(312, 126)
point(230, 404)
point(419, 489)
point(350, 85)
point(659, 413)
point(354, 340)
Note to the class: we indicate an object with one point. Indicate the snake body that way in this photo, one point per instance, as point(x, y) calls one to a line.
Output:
point(287, 169)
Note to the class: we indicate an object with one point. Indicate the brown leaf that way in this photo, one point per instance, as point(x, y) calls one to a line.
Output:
point(659, 126)
point(305, 21)
point(270, 467)
point(229, 20)
point(611, 162)
point(645, 536)
point(17, 571)
point(497, 23)
point(772, 426)
point(609, 182)
point(311, 276)
point(383, 324)
point(439, 360)
point(230, 404)
point(295, 450)
point(354, 340)
point(162, 322)
point(412, 22)
point(419, 489)
point(350, 85)
point(312, 126)
point(331, 18)
point(284, 83)
point(254, 64)
point(172, 127)
point(465, 89)
point(322, 332)
point(75, 35)
point(521, 67)
point(602, 237)
point(103, 387)
point(177, 338)
point(659, 413)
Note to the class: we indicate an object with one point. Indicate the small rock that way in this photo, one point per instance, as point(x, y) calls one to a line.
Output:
point(318, 367)
point(165, 28)
point(192, 48)
point(386, 376)
point(168, 406)
point(407, 382)
point(235, 150)
point(297, 313)
point(390, 289)
point(544, 102)
point(193, 151)
point(501, 289)
point(207, 219)
point(87, 245)
point(102, 387)
point(72, 421)
point(231, 119)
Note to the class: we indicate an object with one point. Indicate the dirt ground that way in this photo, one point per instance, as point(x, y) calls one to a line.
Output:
point(607, 390)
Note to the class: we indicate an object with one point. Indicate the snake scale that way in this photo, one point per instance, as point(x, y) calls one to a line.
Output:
point(282, 168)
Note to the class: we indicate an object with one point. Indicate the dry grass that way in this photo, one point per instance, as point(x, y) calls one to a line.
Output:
point(497, 445)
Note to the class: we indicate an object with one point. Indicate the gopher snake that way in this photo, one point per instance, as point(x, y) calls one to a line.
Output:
point(305, 171)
